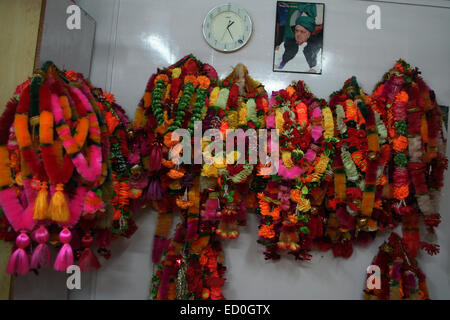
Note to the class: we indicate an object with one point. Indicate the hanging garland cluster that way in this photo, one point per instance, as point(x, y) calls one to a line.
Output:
point(400, 277)
point(347, 169)
point(238, 104)
point(290, 206)
point(72, 163)
point(189, 265)
point(63, 148)
point(355, 205)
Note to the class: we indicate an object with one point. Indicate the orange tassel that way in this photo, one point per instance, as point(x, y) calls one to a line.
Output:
point(58, 208)
point(41, 203)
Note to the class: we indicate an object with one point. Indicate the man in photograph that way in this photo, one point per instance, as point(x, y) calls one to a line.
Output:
point(303, 51)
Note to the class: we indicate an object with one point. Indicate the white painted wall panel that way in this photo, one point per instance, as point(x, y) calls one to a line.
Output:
point(68, 49)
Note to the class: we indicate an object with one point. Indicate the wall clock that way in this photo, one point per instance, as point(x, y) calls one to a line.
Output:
point(227, 27)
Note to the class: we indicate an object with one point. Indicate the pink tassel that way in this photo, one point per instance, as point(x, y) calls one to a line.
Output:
point(159, 244)
point(65, 255)
point(42, 257)
point(211, 210)
point(19, 262)
point(88, 260)
point(155, 157)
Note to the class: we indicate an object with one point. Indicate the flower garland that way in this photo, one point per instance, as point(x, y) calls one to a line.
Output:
point(346, 170)
point(352, 196)
point(243, 95)
point(305, 123)
point(401, 278)
point(406, 100)
point(178, 97)
point(53, 99)
point(20, 218)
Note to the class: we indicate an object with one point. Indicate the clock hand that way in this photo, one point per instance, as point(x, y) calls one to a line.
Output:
point(229, 24)
point(224, 34)
point(230, 34)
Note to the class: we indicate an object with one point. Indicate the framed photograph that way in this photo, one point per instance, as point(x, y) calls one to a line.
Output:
point(298, 45)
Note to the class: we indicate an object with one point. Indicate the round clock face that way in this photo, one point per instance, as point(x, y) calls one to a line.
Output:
point(227, 27)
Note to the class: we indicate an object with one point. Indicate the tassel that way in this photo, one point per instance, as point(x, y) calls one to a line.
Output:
point(19, 262)
point(41, 203)
point(58, 208)
point(65, 255)
point(155, 157)
point(159, 245)
point(42, 256)
point(210, 213)
point(154, 190)
point(88, 260)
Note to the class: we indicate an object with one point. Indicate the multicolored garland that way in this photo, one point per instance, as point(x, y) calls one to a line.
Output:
point(72, 163)
point(55, 171)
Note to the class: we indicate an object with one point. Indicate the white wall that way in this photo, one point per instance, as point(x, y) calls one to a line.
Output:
point(135, 37)
point(68, 49)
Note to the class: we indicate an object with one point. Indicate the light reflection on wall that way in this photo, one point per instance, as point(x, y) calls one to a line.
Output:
point(157, 44)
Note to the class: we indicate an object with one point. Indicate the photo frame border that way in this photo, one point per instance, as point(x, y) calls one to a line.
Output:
point(275, 38)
